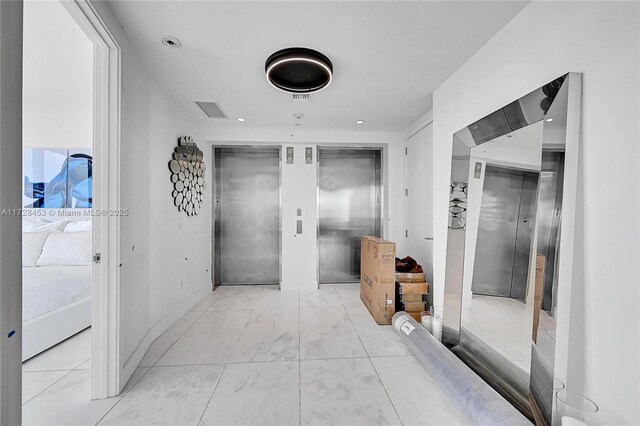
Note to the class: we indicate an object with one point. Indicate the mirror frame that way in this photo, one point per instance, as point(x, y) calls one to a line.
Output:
point(499, 123)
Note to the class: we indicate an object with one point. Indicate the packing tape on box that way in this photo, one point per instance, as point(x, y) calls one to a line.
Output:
point(481, 402)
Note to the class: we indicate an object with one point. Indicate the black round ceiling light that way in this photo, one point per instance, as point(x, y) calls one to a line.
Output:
point(299, 70)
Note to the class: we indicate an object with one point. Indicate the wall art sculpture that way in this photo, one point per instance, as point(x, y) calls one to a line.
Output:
point(187, 176)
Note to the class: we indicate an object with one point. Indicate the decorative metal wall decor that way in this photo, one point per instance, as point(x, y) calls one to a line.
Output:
point(187, 176)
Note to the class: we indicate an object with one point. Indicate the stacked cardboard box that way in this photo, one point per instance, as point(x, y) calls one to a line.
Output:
point(377, 278)
point(410, 291)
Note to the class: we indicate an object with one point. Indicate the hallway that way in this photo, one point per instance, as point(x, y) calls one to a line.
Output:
point(256, 355)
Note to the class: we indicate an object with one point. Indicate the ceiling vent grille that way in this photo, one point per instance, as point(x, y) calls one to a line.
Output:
point(211, 109)
point(301, 97)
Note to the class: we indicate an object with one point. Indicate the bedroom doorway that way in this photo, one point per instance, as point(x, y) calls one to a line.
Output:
point(57, 202)
point(70, 323)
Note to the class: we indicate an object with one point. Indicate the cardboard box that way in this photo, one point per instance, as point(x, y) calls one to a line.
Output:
point(413, 306)
point(377, 278)
point(407, 277)
point(415, 315)
point(411, 297)
point(413, 288)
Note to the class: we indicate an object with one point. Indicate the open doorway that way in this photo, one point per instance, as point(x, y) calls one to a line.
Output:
point(70, 201)
point(57, 222)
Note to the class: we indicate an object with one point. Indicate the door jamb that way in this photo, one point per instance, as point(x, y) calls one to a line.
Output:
point(106, 368)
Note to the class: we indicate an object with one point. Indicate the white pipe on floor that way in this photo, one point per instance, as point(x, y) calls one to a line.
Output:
point(481, 402)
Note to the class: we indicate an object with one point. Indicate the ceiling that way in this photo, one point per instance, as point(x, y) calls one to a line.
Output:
point(388, 56)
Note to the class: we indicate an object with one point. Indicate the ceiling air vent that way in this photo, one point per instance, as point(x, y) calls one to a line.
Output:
point(301, 97)
point(211, 109)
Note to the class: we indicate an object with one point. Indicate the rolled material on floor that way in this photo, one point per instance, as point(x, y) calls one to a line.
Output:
point(482, 403)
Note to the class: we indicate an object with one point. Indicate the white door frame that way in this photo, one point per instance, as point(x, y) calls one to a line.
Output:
point(106, 365)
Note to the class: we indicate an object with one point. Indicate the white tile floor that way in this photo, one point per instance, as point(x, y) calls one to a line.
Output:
point(252, 355)
point(504, 324)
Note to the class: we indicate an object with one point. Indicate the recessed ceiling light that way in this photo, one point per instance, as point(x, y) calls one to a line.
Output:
point(298, 70)
point(240, 119)
point(549, 119)
point(359, 121)
point(171, 42)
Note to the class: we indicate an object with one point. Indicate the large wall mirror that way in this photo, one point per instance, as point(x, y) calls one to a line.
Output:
point(505, 222)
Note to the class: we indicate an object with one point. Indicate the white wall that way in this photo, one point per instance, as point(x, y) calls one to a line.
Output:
point(10, 193)
point(546, 40)
point(159, 247)
point(299, 190)
point(58, 79)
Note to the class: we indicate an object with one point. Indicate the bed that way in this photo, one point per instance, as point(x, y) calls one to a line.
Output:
point(56, 304)
point(56, 284)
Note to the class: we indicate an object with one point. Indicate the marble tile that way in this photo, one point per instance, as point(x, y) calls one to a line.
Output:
point(34, 382)
point(381, 340)
point(138, 373)
point(417, 395)
point(256, 394)
point(85, 366)
point(325, 297)
point(343, 392)
point(66, 355)
point(167, 396)
point(67, 402)
point(349, 294)
point(328, 333)
point(207, 301)
point(276, 299)
point(237, 297)
point(378, 340)
point(360, 315)
point(210, 340)
point(162, 344)
point(270, 335)
point(504, 324)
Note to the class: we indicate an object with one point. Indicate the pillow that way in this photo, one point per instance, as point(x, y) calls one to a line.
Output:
point(28, 225)
point(32, 243)
point(78, 226)
point(66, 248)
point(43, 226)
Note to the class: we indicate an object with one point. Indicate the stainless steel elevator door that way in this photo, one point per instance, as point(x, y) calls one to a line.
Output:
point(505, 231)
point(247, 217)
point(349, 207)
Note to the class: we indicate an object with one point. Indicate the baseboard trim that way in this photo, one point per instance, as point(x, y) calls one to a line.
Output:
point(159, 328)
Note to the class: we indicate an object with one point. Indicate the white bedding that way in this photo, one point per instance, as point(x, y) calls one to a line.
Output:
point(49, 288)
